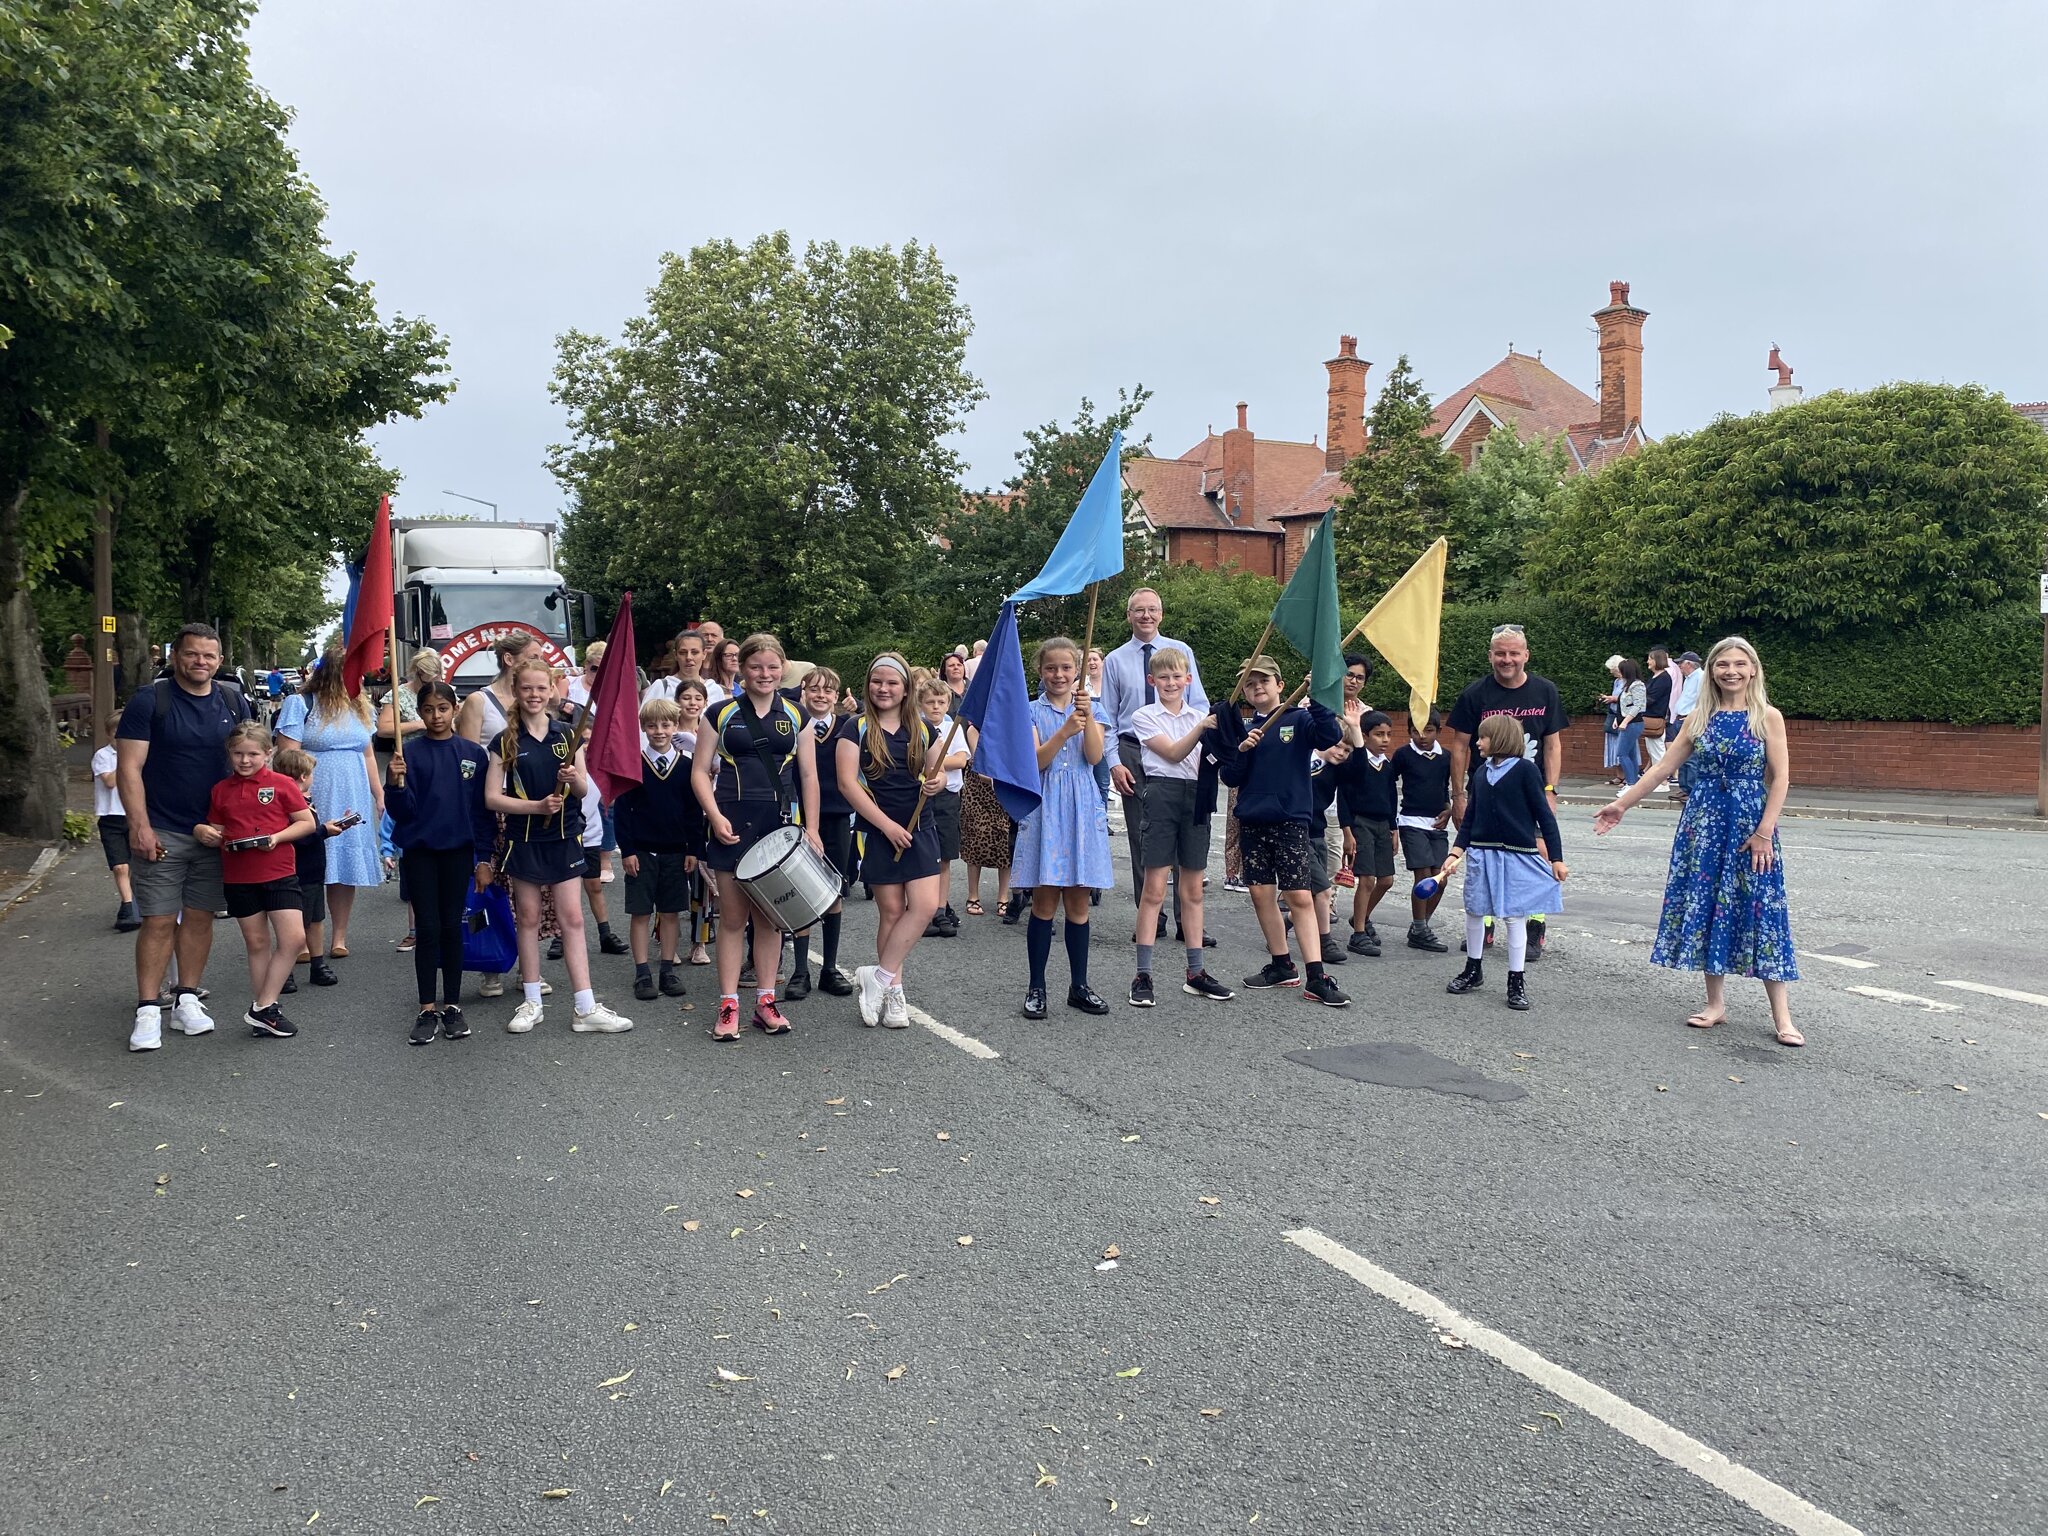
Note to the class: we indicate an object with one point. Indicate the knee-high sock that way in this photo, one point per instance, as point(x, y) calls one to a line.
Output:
point(803, 952)
point(1518, 942)
point(1475, 936)
point(831, 955)
point(1077, 952)
point(1038, 946)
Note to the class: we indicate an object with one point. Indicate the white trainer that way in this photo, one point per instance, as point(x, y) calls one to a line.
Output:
point(872, 993)
point(190, 1015)
point(547, 988)
point(148, 1033)
point(524, 1017)
point(491, 986)
point(600, 1021)
point(895, 1009)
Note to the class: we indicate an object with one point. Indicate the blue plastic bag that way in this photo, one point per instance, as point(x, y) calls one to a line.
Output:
point(489, 942)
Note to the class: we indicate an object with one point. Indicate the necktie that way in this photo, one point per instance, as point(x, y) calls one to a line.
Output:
point(1151, 696)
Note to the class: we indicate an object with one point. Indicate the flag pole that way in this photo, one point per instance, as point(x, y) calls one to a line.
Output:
point(924, 791)
point(1257, 651)
point(1088, 637)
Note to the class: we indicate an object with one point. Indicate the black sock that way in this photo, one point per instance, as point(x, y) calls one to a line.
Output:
point(831, 955)
point(1077, 952)
point(1315, 970)
point(183, 991)
point(1038, 947)
point(667, 966)
point(642, 968)
point(803, 952)
point(1283, 961)
point(604, 930)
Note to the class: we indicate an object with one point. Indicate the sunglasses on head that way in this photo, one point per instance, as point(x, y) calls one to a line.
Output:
point(1506, 629)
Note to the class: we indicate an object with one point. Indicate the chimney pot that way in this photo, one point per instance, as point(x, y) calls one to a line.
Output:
point(1617, 293)
point(1347, 346)
point(1242, 408)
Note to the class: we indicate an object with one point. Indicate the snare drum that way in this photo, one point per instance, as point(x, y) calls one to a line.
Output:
point(788, 880)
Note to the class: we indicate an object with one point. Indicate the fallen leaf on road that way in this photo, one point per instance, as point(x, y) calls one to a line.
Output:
point(616, 1381)
point(1208, 1200)
point(964, 1242)
point(1112, 1252)
point(691, 1226)
point(1733, 1078)
point(670, 1210)
point(1136, 1370)
point(556, 1493)
point(737, 1232)
point(427, 1498)
point(630, 1328)
point(117, 1103)
point(1959, 1088)
point(726, 1375)
point(1132, 1138)
point(1663, 1088)
point(666, 1484)
point(1106, 1264)
point(835, 1102)
point(943, 1136)
point(886, 1284)
point(1525, 1055)
point(1557, 1416)
point(1045, 1478)
point(575, 1149)
point(312, 1517)
point(1141, 1521)
point(744, 1194)
point(1212, 1413)
point(896, 1374)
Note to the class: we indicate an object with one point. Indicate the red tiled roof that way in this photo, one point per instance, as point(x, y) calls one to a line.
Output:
point(2035, 411)
point(1320, 495)
point(1282, 472)
point(1173, 494)
point(1527, 395)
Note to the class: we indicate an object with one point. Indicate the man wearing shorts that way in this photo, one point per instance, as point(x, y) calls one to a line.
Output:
point(170, 752)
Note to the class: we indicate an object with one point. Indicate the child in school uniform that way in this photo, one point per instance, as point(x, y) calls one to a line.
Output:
point(434, 791)
point(1170, 735)
point(692, 696)
point(1268, 763)
point(1422, 769)
point(309, 857)
point(934, 702)
point(112, 818)
point(1509, 879)
point(660, 829)
point(820, 699)
point(1330, 771)
point(253, 817)
point(1374, 805)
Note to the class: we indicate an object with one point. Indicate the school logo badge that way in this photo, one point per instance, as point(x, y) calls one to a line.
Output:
point(560, 748)
point(265, 795)
point(1286, 733)
point(469, 768)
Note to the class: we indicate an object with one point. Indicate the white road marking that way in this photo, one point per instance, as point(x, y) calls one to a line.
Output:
point(1849, 960)
point(2010, 994)
point(1774, 1502)
point(967, 1043)
point(1907, 999)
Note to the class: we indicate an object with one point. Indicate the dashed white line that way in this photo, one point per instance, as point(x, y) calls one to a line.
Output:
point(2010, 994)
point(1771, 1500)
point(1849, 960)
point(947, 1032)
point(1907, 999)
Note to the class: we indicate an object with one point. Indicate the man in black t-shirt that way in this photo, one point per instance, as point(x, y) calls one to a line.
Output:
point(1509, 689)
point(171, 749)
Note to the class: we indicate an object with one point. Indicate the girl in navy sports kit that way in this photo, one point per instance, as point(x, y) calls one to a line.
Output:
point(536, 782)
point(883, 760)
point(755, 754)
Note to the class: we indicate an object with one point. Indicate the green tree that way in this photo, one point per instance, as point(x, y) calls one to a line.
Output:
point(767, 443)
point(1891, 506)
point(1499, 511)
point(1400, 490)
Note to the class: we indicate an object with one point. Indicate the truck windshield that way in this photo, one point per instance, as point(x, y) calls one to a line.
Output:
point(453, 609)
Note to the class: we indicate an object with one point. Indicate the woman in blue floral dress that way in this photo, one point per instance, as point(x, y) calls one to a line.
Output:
point(334, 725)
point(1724, 901)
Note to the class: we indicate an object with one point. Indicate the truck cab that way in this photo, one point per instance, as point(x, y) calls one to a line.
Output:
point(461, 586)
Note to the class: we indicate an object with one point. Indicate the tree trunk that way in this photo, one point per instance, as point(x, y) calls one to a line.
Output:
point(31, 771)
point(138, 659)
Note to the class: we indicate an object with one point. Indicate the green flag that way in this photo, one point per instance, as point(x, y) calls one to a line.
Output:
point(1307, 615)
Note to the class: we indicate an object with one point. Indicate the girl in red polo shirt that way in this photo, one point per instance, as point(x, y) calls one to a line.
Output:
point(253, 818)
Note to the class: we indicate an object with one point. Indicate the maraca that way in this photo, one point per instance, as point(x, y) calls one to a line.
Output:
point(1428, 886)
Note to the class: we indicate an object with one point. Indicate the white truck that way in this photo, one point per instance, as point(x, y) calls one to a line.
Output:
point(460, 586)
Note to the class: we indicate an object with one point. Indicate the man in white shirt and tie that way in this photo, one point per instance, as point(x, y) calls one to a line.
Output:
point(1126, 689)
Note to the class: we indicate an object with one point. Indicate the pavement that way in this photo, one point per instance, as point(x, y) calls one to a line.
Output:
point(1686, 1282)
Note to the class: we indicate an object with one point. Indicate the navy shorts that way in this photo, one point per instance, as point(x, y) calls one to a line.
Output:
point(1424, 848)
point(661, 885)
point(553, 862)
point(114, 840)
point(253, 899)
point(752, 819)
point(1374, 859)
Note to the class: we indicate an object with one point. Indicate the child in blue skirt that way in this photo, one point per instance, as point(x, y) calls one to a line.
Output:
point(1513, 876)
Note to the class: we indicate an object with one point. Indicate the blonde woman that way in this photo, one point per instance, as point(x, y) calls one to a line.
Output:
point(1724, 901)
point(333, 725)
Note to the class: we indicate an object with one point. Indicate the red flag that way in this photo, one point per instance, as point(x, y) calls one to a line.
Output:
point(612, 754)
point(372, 621)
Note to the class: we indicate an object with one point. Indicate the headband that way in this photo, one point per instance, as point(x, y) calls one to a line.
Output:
point(892, 664)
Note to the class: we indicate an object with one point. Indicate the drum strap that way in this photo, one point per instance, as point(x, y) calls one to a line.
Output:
point(766, 753)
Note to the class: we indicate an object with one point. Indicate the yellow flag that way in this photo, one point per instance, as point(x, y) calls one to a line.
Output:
point(1406, 625)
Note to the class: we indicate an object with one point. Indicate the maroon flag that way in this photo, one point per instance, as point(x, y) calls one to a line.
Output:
point(370, 621)
point(612, 754)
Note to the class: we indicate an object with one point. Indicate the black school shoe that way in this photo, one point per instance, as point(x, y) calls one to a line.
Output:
point(453, 1025)
point(1332, 955)
point(798, 986)
point(1034, 1003)
point(127, 918)
point(424, 1028)
point(1422, 936)
point(323, 974)
point(643, 989)
point(1277, 973)
point(1518, 992)
point(1085, 1000)
point(291, 985)
point(1362, 942)
point(555, 947)
point(1324, 991)
point(834, 981)
point(612, 944)
point(671, 983)
point(1469, 979)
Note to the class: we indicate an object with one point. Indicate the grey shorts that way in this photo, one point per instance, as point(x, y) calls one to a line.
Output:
point(1424, 848)
point(1174, 836)
point(186, 878)
point(1374, 859)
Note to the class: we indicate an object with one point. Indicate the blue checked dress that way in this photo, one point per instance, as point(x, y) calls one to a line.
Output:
point(1719, 916)
point(341, 783)
point(1065, 842)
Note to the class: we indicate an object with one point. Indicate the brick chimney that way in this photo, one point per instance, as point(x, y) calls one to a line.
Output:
point(1237, 469)
point(1347, 403)
point(1621, 361)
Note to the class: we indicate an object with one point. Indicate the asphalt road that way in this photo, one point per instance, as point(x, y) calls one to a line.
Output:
point(244, 1283)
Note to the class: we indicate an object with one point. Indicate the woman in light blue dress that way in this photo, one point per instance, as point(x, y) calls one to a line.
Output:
point(335, 727)
point(1063, 846)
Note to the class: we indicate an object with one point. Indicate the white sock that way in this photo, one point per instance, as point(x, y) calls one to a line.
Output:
point(585, 1000)
point(886, 978)
point(1475, 936)
point(1518, 942)
point(532, 990)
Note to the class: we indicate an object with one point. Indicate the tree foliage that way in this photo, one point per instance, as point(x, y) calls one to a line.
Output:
point(1892, 506)
point(1499, 511)
point(1400, 490)
point(767, 442)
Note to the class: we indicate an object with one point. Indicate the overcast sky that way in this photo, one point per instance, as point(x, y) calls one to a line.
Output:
point(1197, 196)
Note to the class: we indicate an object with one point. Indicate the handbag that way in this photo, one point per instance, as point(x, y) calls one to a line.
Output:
point(489, 942)
point(1654, 725)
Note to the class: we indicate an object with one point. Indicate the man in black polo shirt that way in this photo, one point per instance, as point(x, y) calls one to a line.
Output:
point(1509, 689)
point(170, 752)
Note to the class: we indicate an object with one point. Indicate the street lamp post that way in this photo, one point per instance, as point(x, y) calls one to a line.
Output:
point(478, 500)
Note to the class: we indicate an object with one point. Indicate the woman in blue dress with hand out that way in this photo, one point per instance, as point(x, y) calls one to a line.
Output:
point(1724, 901)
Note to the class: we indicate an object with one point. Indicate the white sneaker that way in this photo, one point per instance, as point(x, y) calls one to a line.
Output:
point(872, 994)
point(491, 986)
point(524, 1017)
point(1662, 789)
point(895, 1009)
point(190, 1015)
point(148, 1033)
point(547, 988)
point(600, 1021)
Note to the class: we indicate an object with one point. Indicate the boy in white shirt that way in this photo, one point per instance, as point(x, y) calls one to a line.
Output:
point(1176, 834)
point(934, 698)
point(113, 824)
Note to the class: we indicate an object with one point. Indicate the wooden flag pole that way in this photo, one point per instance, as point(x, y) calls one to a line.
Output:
point(924, 791)
point(1257, 651)
point(1088, 637)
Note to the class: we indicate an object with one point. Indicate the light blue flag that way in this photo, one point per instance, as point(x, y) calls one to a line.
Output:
point(998, 705)
point(1092, 548)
